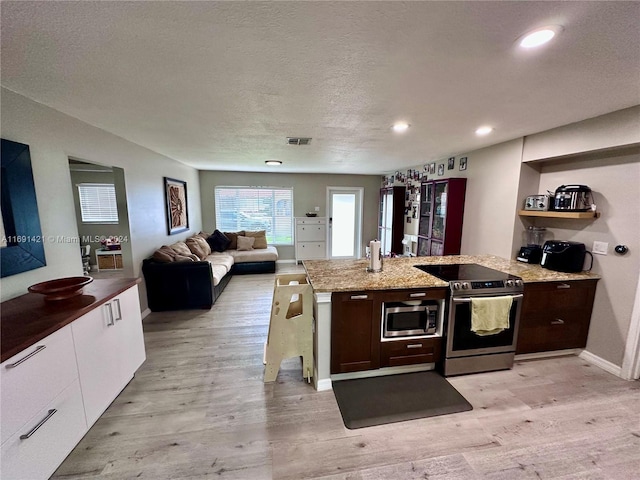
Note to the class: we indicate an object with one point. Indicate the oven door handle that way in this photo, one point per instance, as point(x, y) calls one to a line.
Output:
point(468, 299)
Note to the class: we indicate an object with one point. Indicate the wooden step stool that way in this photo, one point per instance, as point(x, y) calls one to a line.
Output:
point(290, 327)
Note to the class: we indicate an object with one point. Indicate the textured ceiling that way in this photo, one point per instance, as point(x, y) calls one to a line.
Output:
point(220, 85)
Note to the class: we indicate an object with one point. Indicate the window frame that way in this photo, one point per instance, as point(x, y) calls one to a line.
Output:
point(272, 235)
point(112, 207)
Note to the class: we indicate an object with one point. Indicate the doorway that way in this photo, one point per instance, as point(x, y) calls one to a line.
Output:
point(100, 200)
point(345, 221)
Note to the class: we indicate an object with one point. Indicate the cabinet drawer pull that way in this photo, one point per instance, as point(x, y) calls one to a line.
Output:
point(40, 423)
point(117, 302)
point(415, 345)
point(27, 357)
point(564, 285)
point(359, 297)
point(557, 321)
point(421, 294)
point(110, 321)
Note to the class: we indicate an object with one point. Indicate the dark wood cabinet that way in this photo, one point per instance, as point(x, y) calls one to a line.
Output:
point(356, 325)
point(555, 315)
point(391, 219)
point(441, 214)
point(355, 332)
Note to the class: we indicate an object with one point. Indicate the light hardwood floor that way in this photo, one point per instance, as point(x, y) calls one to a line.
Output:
point(198, 408)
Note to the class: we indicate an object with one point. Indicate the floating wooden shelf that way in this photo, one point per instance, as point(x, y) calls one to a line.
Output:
point(555, 214)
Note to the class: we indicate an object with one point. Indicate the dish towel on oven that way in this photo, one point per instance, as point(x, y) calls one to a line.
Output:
point(490, 315)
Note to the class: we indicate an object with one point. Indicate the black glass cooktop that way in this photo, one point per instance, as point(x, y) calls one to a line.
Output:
point(469, 271)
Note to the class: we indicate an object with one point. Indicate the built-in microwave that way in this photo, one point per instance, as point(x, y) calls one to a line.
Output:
point(409, 319)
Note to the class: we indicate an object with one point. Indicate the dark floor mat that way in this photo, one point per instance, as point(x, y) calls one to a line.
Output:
point(365, 402)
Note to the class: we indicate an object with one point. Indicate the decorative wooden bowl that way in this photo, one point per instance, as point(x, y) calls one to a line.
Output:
point(60, 288)
point(311, 214)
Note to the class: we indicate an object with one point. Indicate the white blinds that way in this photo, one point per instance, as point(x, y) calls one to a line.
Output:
point(256, 208)
point(98, 203)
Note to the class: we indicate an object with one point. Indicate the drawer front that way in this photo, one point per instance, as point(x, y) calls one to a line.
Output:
point(553, 331)
point(311, 221)
point(409, 295)
point(106, 262)
point(305, 233)
point(311, 250)
point(541, 297)
point(410, 352)
point(35, 381)
point(39, 455)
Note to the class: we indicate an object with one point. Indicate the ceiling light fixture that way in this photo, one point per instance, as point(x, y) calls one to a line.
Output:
point(400, 127)
point(539, 36)
point(484, 131)
point(273, 163)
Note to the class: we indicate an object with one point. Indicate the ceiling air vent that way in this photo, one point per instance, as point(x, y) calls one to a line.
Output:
point(298, 140)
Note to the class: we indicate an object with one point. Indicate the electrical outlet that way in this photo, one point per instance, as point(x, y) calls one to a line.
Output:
point(600, 248)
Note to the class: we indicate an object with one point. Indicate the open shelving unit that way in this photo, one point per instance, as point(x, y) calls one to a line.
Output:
point(556, 214)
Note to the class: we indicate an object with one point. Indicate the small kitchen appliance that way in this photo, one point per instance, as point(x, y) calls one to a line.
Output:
point(573, 198)
point(532, 251)
point(564, 256)
point(410, 319)
point(464, 350)
point(537, 202)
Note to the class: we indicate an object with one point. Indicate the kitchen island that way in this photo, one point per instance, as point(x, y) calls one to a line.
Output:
point(332, 278)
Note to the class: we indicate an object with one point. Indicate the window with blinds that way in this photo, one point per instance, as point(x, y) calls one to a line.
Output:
point(98, 203)
point(256, 208)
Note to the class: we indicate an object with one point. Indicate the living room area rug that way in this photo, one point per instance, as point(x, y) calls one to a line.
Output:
point(365, 402)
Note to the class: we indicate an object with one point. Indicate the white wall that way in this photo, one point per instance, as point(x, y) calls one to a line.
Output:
point(53, 137)
point(615, 182)
point(309, 191)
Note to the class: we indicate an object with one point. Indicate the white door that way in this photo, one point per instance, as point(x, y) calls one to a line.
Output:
point(345, 221)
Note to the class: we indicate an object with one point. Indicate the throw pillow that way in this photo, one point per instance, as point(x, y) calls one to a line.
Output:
point(181, 249)
point(195, 248)
point(233, 237)
point(260, 236)
point(166, 255)
point(245, 243)
point(206, 248)
point(218, 241)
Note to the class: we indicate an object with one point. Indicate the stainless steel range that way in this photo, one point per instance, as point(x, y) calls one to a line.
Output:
point(465, 350)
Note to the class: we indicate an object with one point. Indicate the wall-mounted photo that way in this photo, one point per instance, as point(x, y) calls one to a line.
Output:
point(432, 168)
point(463, 163)
point(175, 192)
point(451, 163)
point(441, 169)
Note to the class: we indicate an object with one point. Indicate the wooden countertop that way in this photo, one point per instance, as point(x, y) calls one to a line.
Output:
point(26, 319)
point(399, 273)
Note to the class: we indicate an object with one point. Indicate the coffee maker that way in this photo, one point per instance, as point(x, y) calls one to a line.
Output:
point(532, 251)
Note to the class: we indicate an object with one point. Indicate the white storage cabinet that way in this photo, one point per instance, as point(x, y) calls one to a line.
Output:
point(311, 238)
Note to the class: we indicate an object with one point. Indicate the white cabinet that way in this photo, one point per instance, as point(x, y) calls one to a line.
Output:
point(109, 348)
point(42, 413)
point(311, 238)
point(54, 391)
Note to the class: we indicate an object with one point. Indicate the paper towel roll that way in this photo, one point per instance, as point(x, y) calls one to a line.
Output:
point(375, 260)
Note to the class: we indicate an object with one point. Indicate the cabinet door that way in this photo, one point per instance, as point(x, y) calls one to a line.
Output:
point(97, 346)
point(355, 332)
point(309, 233)
point(129, 323)
point(555, 316)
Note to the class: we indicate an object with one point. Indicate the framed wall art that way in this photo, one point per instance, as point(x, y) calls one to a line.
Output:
point(441, 169)
point(175, 192)
point(463, 163)
point(432, 168)
point(451, 163)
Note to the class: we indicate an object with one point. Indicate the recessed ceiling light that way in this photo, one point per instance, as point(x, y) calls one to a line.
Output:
point(484, 131)
point(539, 36)
point(400, 127)
point(273, 163)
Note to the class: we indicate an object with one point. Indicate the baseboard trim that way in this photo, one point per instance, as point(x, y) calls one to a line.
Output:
point(549, 354)
point(285, 261)
point(324, 384)
point(599, 362)
point(145, 313)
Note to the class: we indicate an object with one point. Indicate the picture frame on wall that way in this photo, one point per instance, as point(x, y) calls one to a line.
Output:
point(441, 169)
point(451, 163)
point(463, 163)
point(432, 168)
point(175, 192)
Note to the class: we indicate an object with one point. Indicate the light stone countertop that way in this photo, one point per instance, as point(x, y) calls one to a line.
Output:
point(399, 273)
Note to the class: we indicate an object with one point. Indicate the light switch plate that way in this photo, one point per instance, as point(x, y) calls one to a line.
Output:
point(317, 209)
point(600, 248)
